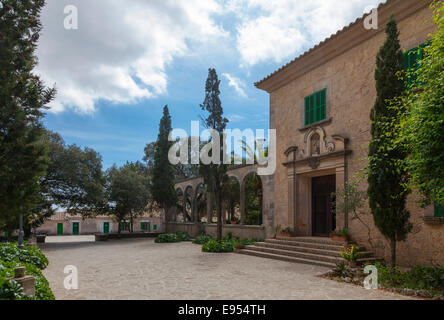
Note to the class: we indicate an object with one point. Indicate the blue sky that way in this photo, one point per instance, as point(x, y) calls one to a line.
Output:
point(128, 59)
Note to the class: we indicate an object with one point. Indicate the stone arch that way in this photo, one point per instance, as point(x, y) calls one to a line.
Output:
point(199, 202)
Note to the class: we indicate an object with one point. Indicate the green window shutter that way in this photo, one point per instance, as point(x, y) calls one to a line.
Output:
point(439, 210)
point(316, 107)
point(155, 227)
point(142, 225)
point(307, 111)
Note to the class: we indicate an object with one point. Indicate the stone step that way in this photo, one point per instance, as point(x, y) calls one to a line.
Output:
point(321, 246)
point(323, 240)
point(296, 254)
point(297, 248)
point(286, 258)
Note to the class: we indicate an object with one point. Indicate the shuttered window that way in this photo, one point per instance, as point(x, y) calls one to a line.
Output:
point(439, 210)
point(316, 107)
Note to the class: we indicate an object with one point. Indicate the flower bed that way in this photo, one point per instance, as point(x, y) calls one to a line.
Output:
point(423, 282)
point(34, 261)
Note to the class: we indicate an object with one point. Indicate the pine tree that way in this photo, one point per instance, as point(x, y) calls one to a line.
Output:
point(23, 97)
point(162, 185)
point(215, 175)
point(387, 175)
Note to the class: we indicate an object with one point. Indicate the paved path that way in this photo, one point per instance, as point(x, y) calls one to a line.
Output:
point(141, 269)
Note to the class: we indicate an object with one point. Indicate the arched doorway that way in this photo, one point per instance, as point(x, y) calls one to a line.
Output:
point(232, 202)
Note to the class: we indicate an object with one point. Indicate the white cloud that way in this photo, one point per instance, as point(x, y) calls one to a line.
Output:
point(278, 29)
point(237, 84)
point(122, 48)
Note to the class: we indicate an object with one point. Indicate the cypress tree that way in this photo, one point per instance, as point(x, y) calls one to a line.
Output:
point(23, 97)
point(162, 184)
point(215, 174)
point(387, 175)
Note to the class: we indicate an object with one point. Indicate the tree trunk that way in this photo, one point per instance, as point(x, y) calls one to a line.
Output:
point(131, 223)
point(393, 251)
point(165, 211)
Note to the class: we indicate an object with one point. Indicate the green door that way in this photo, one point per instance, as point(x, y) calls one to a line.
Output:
point(59, 229)
point(106, 227)
point(75, 228)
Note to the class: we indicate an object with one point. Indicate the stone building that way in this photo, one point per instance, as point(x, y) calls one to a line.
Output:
point(320, 107)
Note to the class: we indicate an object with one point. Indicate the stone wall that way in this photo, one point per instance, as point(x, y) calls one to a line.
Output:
point(238, 231)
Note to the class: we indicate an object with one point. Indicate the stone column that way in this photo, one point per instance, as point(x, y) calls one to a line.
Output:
point(292, 198)
point(27, 282)
point(242, 203)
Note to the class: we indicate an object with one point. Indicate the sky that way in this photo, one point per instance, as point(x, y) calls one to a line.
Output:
point(128, 59)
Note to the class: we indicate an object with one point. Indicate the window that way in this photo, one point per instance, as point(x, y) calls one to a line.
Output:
point(411, 60)
point(125, 226)
point(145, 226)
point(439, 210)
point(155, 227)
point(316, 107)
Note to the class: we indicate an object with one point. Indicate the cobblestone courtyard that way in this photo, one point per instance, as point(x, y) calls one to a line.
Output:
point(140, 269)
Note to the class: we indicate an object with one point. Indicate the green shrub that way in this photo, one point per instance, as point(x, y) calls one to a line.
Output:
point(228, 236)
point(216, 246)
point(202, 239)
point(183, 236)
point(417, 278)
point(33, 260)
point(167, 238)
point(351, 253)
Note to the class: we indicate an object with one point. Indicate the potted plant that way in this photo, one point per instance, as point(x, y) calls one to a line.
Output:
point(342, 235)
point(286, 232)
point(351, 254)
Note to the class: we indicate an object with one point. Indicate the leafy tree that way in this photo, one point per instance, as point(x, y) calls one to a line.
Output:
point(181, 170)
point(387, 174)
point(74, 178)
point(215, 174)
point(23, 98)
point(421, 128)
point(127, 191)
point(162, 184)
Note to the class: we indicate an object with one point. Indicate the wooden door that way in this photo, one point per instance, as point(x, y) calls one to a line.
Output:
point(323, 218)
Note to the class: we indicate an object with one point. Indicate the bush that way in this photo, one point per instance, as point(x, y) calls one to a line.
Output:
point(351, 253)
point(216, 246)
point(34, 261)
point(167, 238)
point(172, 237)
point(10, 252)
point(202, 239)
point(183, 236)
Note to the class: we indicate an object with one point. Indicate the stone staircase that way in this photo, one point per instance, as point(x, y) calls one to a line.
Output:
point(308, 250)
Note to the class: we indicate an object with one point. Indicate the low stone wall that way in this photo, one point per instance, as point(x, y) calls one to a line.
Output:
point(238, 231)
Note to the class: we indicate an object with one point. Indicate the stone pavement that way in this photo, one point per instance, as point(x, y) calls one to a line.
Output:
point(141, 269)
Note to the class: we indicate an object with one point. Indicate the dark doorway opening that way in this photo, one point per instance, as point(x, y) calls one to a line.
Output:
point(323, 218)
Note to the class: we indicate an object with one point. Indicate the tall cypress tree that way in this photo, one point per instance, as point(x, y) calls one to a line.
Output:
point(23, 97)
point(162, 184)
point(387, 175)
point(215, 174)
